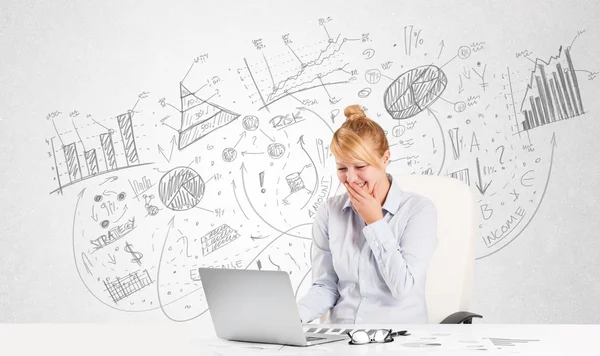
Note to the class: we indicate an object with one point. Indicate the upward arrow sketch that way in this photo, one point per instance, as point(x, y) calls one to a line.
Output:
point(482, 188)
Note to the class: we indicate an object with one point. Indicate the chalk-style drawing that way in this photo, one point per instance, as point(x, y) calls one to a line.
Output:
point(136, 256)
point(229, 154)
point(553, 92)
point(414, 91)
point(181, 189)
point(268, 182)
point(200, 117)
point(365, 92)
point(462, 175)
point(464, 52)
point(116, 262)
point(455, 141)
point(412, 38)
point(298, 69)
point(114, 234)
point(281, 122)
point(276, 150)
point(152, 209)
point(250, 122)
point(460, 106)
point(373, 76)
point(141, 186)
point(123, 287)
point(217, 238)
point(79, 160)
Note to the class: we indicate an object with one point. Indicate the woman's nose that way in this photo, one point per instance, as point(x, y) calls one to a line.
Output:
point(350, 177)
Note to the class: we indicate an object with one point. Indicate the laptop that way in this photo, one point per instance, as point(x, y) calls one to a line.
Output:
point(256, 306)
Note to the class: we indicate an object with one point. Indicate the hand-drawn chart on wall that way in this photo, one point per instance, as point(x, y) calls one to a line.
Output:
point(227, 167)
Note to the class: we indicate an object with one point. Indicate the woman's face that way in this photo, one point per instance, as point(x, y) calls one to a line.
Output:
point(361, 175)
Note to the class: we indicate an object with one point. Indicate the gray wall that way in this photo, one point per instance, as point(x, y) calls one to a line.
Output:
point(239, 189)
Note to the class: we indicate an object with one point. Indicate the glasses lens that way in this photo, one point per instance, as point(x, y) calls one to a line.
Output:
point(360, 337)
point(381, 335)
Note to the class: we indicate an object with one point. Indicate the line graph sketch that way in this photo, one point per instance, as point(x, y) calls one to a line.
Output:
point(297, 70)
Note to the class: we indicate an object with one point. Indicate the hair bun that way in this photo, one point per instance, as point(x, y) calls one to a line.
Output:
point(354, 112)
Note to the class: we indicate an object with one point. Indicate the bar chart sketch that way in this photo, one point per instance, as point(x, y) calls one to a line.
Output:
point(74, 163)
point(553, 93)
point(123, 287)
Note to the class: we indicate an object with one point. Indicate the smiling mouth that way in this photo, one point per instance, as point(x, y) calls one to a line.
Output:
point(362, 184)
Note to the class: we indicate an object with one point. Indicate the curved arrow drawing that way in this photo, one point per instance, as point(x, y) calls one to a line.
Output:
point(236, 199)
point(443, 140)
point(301, 142)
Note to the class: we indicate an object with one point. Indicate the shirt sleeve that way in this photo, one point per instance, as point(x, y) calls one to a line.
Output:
point(323, 293)
point(402, 260)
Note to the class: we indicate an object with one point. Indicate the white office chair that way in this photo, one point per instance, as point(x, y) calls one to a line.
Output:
point(451, 270)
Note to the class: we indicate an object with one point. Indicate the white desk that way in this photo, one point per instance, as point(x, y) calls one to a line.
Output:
point(170, 339)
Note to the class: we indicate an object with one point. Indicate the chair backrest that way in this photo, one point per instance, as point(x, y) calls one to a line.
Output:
point(451, 270)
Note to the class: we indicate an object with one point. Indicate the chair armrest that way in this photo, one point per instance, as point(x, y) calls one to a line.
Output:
point(461, 317)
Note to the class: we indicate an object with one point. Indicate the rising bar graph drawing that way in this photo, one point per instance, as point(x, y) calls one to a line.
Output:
point(100, 160)
point(553, 93)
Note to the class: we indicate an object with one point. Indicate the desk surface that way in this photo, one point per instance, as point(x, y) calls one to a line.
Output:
point(187, 339)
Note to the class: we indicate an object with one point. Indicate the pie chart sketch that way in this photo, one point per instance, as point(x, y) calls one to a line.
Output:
point(414, 91)
point(181, 189)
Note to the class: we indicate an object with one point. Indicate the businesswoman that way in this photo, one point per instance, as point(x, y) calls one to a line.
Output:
point(371, 245)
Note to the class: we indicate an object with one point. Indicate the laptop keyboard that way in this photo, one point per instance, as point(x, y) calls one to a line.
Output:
point(314, 338)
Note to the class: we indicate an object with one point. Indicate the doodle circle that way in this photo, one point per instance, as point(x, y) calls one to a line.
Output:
point(229, 154)
point(460, 106)
point(104, 224)
point(464, 52)
point(414, 91)
point(181, 189)
point(250, 122)
point(369, 53)
point(121, 196)
point(398, 131)
point(276, 150)
point(363, 93)
point(373, 76)
point(98, 198)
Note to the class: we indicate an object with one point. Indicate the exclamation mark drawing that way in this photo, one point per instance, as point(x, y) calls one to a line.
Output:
point(261, 177)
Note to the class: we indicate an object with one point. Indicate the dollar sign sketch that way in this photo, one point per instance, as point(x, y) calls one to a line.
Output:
point(137, 256)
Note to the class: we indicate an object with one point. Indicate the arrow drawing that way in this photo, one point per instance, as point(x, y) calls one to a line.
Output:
point(236, 198)
point(479, 182)
point(301, 142)
point(162, 151)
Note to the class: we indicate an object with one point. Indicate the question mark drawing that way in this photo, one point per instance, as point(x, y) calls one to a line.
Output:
point(254, 140)
point(501, 154)
point(369, 53)
point(185, 242)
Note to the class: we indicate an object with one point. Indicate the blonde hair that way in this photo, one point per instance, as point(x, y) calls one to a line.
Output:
point(359, 138)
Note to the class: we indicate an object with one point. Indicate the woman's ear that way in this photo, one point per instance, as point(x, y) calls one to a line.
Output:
point(386, 157)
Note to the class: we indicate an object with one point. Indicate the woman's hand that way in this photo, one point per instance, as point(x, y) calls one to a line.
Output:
point(365, 204)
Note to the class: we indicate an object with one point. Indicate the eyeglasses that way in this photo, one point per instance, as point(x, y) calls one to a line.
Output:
point(360, 337)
